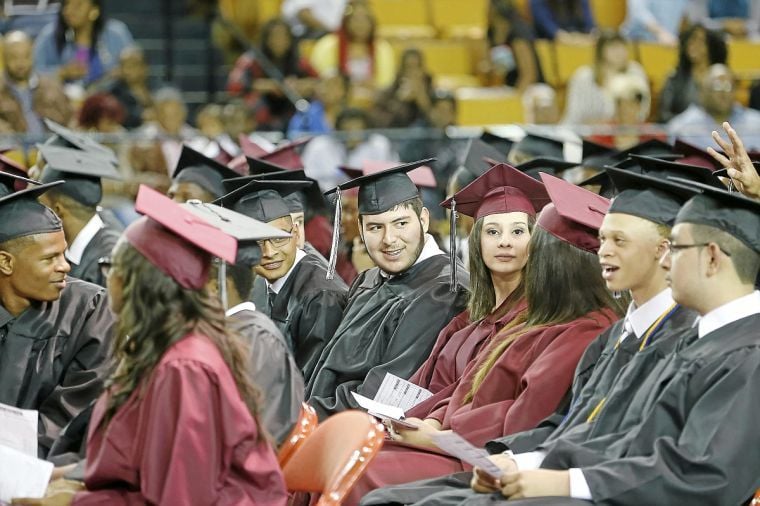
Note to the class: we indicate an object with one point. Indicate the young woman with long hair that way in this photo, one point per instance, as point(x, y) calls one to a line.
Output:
point(525, 372)
point(503, 202)
point(179, 420)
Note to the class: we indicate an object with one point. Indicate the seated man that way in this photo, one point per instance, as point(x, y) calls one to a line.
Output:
point(54, 330)
point(395, 310)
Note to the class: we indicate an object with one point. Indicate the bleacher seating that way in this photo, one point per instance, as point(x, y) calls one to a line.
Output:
point(488, 106)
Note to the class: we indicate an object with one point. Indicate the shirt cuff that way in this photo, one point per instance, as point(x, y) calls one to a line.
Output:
point(528, 460)
point(578, 486)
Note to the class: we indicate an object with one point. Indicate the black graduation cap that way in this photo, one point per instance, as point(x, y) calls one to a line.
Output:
point(10, 183)
point(731, 212)
point(81, 171)
point(594, 149)
point(310, 197)
point(21, 215)
point(619, 161)
point(258, 166)
point(65, 137)
point(479, 157)
point(651, 147)
point(536, 145)
point(552, 166)
point(194, 167)
point(647, 196)
point(500, 144)
point(261, 200)
point(664, 168)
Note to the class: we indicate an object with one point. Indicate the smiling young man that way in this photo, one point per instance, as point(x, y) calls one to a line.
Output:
point(54, 330)
point(396, 309)
point(306, 307)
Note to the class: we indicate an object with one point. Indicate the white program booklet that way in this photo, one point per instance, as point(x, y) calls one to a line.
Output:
point(454, 444)
point(18, 429)
point(22, 475)
point(394, 397)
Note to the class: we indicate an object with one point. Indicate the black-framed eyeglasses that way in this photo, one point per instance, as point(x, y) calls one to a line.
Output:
point(675, 248)
point(277, 242)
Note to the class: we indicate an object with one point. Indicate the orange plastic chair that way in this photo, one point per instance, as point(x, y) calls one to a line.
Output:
point(304, 427)
point(755, 499)
point(331, 460)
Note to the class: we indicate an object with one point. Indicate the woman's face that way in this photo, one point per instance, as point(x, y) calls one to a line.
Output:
point(359, 24)
point(79, 13)
point(279, 40)
point(696, 47)
point(504, 242)
point(615, 55)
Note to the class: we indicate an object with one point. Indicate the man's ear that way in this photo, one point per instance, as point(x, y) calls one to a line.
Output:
point(425, 219)
point(7, 263)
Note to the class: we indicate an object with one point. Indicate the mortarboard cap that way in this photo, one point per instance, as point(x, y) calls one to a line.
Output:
point(422, 176)
point(287, 154)
point(651, 147)
point(621, 161)
point(10, 166)
point(258, 166)
point(309, 196)
point(479, 157)
point(81, 170)
point(536, 145)
point(553, 166)
point(731, 212)
point(502, 189)
point(664, 168)
point(693, 155)
point(652, 198)
point(194, 167)
point(68, 138)
point(500, 144)
point(250, 148)
point(10, 183)
point(178, 242)
point(574, 214)
point(21, 215)
point(261, 200)
point(594, 149)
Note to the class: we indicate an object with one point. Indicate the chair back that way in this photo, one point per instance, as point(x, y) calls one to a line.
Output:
point(331, 460)
point(306, 424)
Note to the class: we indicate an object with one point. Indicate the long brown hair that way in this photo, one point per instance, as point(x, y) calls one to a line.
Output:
point(562, 283)
point(482, 297)
point(157, 312)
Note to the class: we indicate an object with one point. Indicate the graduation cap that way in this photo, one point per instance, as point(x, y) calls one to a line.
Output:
point(65, 137)
point(247, 231)
point(10, 166)
point(535, 145)
point(21, 215)
point(422, 176)
point(479, 157)
point(664, 168)
point(621, 161)
point(250, 148)
point(651, 147)
point(500, 144)
point(378, 193)
point(262, 200)
point(310, 196)
point(82, 172)
point(287, 155)
point(594, 149)
point(351, 172)
point(194, 167)
point(694, 155)
point(731, 212)
point(10, 183)
point(652, 198)
point(574, 214)
point(553, 166)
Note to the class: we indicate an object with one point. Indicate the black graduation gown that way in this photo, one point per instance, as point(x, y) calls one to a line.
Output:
point(100, 246)
point(52, 356)
point(273, 370)
point(390, 325)
point(307, 310)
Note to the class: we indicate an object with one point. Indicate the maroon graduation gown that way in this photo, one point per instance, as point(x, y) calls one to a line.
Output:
point(526, 385)
point(189, 439)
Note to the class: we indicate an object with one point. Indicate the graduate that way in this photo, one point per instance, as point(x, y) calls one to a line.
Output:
point(54, 330)
point(88, 235)
point(526, 371)
point(198, 177)
point(504, 203)
point(396, 309)
point(180, 394)
point(305, 306)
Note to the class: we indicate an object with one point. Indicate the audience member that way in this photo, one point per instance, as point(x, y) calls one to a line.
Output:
point(131, 86)
point(263, 92)
point(588, 100)
point(654, 20)
point(512, 60)
point(313, 18)
point(407, 100)
point(738, 18)
point(717, 104)
point(699, 48)
point(102, 113)
point(82, 46)
point(540, 105)
point(630, 94)
point(356, 51)
point(332, 96)
point(566, 21)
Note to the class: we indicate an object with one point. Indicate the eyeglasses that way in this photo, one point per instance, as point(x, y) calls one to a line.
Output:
point(277, 242)
point(675, 248)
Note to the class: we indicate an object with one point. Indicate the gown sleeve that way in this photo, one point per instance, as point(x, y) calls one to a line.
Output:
point(317, 322)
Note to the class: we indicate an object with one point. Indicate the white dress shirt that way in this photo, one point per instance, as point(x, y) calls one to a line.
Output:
point(76, 249)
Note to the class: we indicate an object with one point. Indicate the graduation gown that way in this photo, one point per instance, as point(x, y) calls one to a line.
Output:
point(52, 356)
point(307, 310)
point(389, 325)
point(526, 384)
point(100, 246)
point(273, 370)
point(188, 439)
